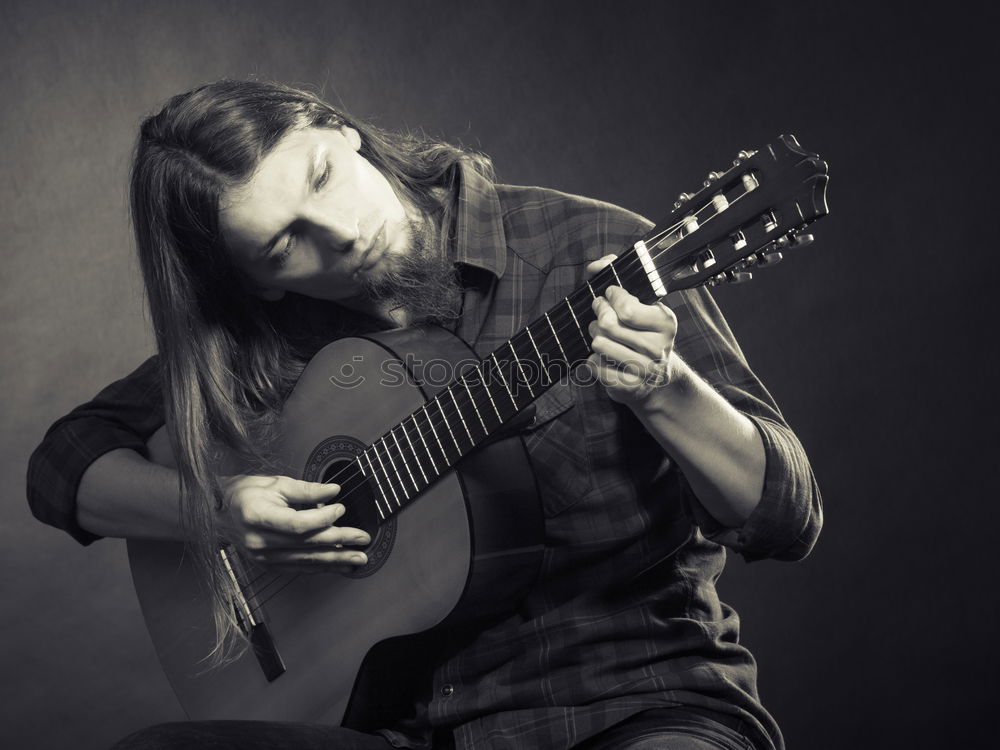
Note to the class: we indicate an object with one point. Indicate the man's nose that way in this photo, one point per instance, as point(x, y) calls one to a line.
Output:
point(336, 230)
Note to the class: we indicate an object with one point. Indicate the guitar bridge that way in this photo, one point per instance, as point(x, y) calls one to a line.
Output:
point(247, 611)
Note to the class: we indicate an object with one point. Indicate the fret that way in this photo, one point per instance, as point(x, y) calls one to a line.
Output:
point(395, 470)
point(556, 337)
point(402, 426)
point(458, 410)
point(586, 340)
point(436, 438)
point(541, 359)
point(521, 370)
point(489, 395)
point(557, 361)
point(427, 448)
point(448, 425)
point(388, 479)
point(444, 453)
point(378, 484)
point(504, 381)
point(472, 400)
point(406, 464)
point(612, 267)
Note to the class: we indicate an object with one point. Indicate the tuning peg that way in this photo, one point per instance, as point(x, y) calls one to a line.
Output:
point(742, 156)
point(704, 261)
point(769, 258)
point(738, 239)
point(737, 277)
point(720, 203)
point(689, 225)
point(682, 199)
point(712, 177)
point(800, 240)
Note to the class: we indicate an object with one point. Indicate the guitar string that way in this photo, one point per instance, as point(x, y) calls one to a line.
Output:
point(631, 266)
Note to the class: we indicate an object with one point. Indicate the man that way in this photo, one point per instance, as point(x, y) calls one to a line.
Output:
point(269, 223)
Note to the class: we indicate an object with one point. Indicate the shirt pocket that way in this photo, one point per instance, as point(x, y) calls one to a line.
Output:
point(557, 447)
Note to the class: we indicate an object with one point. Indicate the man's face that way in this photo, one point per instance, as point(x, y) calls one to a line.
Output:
point(317, 218)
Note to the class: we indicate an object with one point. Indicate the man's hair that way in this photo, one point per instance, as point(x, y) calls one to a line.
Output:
point(227, 358)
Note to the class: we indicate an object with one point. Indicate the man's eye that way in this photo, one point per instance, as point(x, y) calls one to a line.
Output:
point(279, 258)
point(323, 177)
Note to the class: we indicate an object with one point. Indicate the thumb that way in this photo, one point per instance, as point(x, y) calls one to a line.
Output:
point(301, 492)
point(596, 265)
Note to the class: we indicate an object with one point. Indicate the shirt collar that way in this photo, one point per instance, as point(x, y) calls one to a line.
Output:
point(480, 240)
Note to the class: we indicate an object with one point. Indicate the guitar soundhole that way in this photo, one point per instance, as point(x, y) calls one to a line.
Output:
point(333, 460)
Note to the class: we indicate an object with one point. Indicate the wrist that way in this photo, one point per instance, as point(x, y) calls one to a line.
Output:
point(669, 398)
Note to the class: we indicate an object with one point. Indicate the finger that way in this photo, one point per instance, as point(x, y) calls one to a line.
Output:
point(610, 338)
point(301, 492)
point(607, 327)
point(620, 357)
point(312, 558)
point(612, 376)
point(312, 569)
point(288, 520)
point(635, 314)
point(335, 537)
point(594, 266)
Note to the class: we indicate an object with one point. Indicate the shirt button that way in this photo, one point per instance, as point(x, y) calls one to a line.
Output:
point(447, 690)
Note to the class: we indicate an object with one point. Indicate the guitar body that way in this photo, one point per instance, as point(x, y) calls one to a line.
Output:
point(465, 548)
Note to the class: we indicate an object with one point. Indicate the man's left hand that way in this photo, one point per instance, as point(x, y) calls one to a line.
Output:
point(633, 343)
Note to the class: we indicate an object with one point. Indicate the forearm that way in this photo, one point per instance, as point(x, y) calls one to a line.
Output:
point(124, 495)
point(718, 449)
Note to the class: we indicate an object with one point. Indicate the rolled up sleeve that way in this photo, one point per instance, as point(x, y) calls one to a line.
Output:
point(123, 415)
point(786, 522)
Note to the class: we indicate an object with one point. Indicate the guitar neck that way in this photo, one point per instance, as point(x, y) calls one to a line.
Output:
point(740, 220)
point(486, 396)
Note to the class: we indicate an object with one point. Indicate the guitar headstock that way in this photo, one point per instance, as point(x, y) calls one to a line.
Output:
point(741, 219)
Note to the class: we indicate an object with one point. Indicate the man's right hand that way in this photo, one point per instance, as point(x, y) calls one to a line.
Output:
point(260, 516)
point(122, 494)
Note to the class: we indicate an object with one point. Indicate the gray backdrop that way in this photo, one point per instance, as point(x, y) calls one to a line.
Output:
point(877, 341)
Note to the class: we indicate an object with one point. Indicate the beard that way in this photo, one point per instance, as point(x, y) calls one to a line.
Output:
point(423, 283)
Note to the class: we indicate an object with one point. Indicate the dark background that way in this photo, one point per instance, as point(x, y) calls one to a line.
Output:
point(877, 340)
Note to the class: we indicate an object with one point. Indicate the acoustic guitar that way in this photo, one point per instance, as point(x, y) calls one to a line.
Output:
point(435, 471)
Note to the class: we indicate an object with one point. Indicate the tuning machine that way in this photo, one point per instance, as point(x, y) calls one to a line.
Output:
point(773, 253)
point(737, 277)
point(704, 261)
point(732, 276)
point(682, 199)
point(796, 241)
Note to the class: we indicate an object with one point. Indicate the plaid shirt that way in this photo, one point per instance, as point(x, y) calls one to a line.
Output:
point(615, 623)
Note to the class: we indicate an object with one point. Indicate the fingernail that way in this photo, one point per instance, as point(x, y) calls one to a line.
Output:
point(339, 509)
point(358, 558)
point(363, 539)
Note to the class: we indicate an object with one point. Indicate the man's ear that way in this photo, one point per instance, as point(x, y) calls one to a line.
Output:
point(352, 136)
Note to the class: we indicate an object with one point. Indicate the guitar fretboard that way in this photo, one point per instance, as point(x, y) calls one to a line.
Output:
point(487, 396)
point(740, 220)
